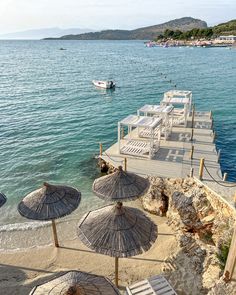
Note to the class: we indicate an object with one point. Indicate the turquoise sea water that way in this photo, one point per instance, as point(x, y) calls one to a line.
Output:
point(52, 118)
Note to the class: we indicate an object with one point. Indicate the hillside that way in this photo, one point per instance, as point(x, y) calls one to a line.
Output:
point(228, 28)
point(183, 24)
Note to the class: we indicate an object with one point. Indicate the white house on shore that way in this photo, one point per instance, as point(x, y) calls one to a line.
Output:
point(226, 39)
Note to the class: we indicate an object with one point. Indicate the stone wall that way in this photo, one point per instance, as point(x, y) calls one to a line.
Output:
point(218, 202)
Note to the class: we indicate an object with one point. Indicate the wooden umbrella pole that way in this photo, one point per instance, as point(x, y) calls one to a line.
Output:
point(125, 165)
point(54, 230)
point(116, 271)
point(193, 116)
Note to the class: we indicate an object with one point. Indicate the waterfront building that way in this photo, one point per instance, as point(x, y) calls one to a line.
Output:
point(228, 39)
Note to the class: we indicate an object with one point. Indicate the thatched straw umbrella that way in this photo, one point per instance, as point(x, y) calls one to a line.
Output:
point(49, 203)
point(117, 231)
point(77, 283)
point(3, 199)
point(120, 186)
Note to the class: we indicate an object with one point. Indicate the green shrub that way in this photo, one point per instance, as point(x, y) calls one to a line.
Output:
point(223, 254)
point(207, 237)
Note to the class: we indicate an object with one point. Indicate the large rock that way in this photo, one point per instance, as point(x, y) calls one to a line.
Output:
point(190, 211)
point(187, 214)
point(201, 229)
point(222, 288)
point(155, 201)
point(185, 203)
point(211, 270)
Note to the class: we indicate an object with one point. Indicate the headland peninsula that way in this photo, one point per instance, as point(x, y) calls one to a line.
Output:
point(183, 31)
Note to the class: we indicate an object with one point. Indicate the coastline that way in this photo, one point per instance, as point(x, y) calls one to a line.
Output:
point(25, 235)
point(184, 252)
point(67, 233)
point(25, 268)
point(189, 43)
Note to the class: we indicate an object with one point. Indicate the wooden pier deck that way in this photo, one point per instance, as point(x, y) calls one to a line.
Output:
point(173, 160)
point(173, 157)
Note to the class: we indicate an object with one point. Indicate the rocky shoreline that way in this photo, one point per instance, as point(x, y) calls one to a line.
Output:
point(203, 231)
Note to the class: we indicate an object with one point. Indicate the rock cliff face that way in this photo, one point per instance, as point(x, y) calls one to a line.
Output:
point(202, 224)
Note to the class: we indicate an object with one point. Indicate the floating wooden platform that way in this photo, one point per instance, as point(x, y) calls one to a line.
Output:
point(173, 157)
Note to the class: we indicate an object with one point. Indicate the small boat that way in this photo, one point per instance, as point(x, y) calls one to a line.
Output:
point(104, 84)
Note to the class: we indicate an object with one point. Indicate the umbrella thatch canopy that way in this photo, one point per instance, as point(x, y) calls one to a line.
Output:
point(117, 231)
point(120, 186)
point(49, 203)
point(77, 283)
point(3, 199)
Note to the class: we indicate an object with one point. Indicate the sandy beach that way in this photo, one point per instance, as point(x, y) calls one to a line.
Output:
point(21, 270)
point(188, 259)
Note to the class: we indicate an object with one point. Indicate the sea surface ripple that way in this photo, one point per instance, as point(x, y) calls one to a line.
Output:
point(52, 117)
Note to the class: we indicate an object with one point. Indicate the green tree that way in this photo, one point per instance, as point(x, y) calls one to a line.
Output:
point(168, 33)
point(177, 34)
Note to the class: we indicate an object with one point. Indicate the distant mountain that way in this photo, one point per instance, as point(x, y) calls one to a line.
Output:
point(183, 24)
point(38, 34)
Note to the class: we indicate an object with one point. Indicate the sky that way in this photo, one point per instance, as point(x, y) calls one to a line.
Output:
point(20, 15)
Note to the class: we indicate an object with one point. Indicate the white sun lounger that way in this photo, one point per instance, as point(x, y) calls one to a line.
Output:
point(177, 98)
point(156, 285)
point(179, 117)
point(139, 148)
point(158, 111)
point(179, 121)
point(146, 132)
point(136, 148)
point(165, 131)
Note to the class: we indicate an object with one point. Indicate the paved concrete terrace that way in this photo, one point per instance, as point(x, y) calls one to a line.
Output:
point(173, 157)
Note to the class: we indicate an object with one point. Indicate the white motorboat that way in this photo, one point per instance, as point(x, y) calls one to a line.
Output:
point(104, 84)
